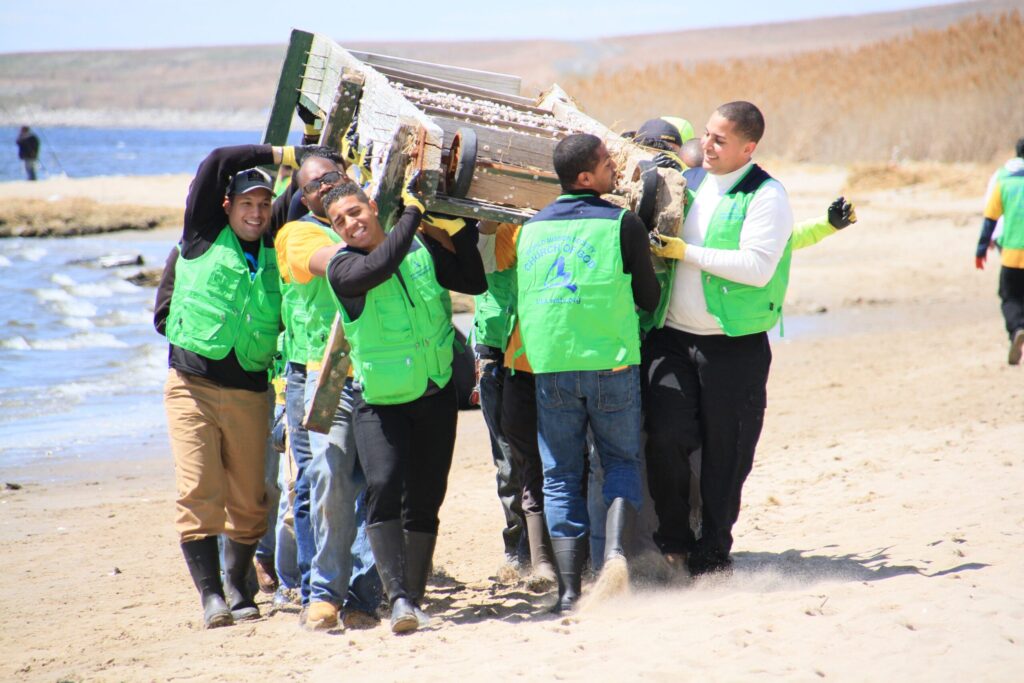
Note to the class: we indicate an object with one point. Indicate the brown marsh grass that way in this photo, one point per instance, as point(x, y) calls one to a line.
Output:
point(955, 94)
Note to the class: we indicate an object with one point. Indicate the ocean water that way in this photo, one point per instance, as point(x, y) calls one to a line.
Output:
point(82, 152)
point(81, 367)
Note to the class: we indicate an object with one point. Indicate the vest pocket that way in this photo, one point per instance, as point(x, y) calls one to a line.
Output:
point(201, 321)
point(392, 319)
point(393, 380)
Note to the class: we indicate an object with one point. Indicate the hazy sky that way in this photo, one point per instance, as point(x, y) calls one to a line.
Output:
point(33, 25)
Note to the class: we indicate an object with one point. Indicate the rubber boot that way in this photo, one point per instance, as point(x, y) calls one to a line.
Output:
point(203, 560)
point(387, 541)
point(419, 556)
point(540, 550)
point(237, 590)
point(570, 554)
point(619, 529)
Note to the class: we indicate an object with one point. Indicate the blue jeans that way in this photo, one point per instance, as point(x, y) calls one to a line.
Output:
point(265, 548)
point(567, 403)
point(298, 438)
point(336, 484)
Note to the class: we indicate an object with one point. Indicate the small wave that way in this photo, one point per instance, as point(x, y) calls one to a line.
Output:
point(4, 261)
point(94, 291)
point(77, 308)
point(33, 254)
point(15, 343)
point(135, 316)
point(57, 295)
point(86, 340)
point(62, 280)
point(78, 323)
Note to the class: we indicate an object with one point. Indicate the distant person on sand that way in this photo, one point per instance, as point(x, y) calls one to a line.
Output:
point(28, 150)
point(706, 363)
point(1006, 201)
point(222, 324)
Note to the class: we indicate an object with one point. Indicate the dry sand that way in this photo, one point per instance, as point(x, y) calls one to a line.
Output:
point(880, 538)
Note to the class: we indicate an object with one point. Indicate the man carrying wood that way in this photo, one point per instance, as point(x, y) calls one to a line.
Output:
point(582, 269)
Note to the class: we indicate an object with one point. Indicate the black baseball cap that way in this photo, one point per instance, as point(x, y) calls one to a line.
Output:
point(249, 180)
point(658, 129)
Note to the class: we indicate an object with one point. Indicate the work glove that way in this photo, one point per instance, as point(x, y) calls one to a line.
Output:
point(450, 224)
point(411, 195)
point(663, 160)
point(294, 156)
point(841, 214)
point(310, 134)
point(278, 433)
point(668, 247)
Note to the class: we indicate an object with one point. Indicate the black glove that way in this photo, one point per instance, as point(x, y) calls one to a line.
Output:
point(278, 432)
point(841, 213)
point(663, 160)
point(307, 116)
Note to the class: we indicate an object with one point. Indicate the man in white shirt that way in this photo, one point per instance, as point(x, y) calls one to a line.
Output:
point(706, 365)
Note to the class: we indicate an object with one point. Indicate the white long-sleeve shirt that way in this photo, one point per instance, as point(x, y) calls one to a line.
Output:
point(766, 229)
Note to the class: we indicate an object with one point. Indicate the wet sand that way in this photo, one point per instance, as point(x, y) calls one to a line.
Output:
point(880, 537)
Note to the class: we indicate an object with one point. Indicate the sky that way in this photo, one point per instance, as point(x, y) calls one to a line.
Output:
point(34, 25)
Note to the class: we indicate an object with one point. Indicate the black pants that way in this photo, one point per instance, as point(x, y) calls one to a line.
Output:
point(705, 392)
point(519, 422)
point(1011, 291)
point(406, 453)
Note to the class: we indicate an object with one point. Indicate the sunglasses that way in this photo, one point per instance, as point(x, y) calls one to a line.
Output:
point(328, 178)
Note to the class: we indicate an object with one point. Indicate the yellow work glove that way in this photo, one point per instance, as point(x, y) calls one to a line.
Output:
point(410, 193)
point(669, 247)
point(450, 224)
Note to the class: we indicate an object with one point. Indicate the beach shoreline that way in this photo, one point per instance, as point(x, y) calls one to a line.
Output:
point(880, 536)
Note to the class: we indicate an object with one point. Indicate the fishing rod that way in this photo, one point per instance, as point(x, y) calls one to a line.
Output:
point(46, 141)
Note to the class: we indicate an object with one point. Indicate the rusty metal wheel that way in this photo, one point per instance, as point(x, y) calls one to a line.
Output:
point(461, 163)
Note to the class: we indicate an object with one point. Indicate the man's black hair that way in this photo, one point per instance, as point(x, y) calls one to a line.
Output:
point(746, 117)
point(347, 189)
point(575, 154)
point(1020, 148)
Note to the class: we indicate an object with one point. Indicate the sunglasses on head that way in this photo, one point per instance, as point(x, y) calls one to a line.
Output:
point(327, 178)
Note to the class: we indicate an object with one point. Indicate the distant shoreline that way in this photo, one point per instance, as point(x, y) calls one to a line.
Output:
point(155, 119)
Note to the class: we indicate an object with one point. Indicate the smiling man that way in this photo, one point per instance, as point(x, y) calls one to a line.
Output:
point(336, 573)
point(392, 290)
point(222, 326)
point(706, 365)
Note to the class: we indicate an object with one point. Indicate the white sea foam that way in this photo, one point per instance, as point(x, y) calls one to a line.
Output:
point(62, 280)
point(57, 295)
point(77, 308)
point(134, 316)
point(4, 261)
point(78, 323)
point(15, 343)
point(96, 290)
point(33, 254)
point(85, 340)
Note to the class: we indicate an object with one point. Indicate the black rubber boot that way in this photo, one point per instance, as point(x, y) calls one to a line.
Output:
point(387, 541)
point(540, 549)
point(570, 554)
point(419, 556)
point(203, 560)
point(237, 588)
point(619, 529)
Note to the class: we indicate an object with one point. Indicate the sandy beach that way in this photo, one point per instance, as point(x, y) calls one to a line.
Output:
point(880, 537)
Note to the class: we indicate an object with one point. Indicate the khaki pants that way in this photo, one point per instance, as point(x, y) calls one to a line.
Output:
point(218, 437)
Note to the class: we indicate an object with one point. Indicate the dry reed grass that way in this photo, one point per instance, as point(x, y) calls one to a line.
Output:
point(79, 216)
point(946, 95)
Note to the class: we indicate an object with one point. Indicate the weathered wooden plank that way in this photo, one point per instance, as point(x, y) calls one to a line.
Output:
point(477, 209)
point(350, 89)
point(288, 85)
point(502, 83)
point(329, 384)
point(504, 146)
point(485, 121)
point(389, 181)
point(441, 85)
point(498, 188)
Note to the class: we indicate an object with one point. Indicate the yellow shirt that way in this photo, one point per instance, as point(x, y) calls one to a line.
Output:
point(296, 243)
point(1011, 258)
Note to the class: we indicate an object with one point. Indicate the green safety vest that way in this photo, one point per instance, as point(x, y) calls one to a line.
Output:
point(738, 308)
point(311, 308)
point(1011, 190)
point(404, 336)
point(575, 305)
point(216, 306)
point(494, 309)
